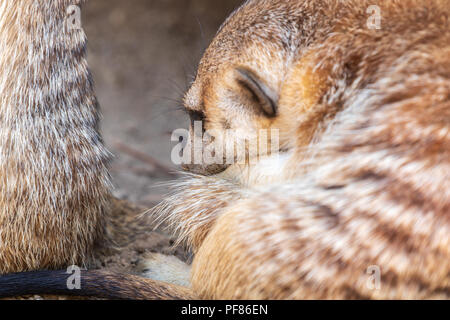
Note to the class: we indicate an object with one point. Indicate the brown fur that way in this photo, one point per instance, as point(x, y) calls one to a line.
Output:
point(54, 182)
point(364, 117)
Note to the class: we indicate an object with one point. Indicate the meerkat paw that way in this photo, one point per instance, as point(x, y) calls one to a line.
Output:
point(164, 268)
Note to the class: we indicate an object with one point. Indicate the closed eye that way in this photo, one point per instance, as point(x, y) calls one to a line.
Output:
point(264, 96)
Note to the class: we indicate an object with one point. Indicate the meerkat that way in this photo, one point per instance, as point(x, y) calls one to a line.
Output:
point(362, 179)
point(54, 183)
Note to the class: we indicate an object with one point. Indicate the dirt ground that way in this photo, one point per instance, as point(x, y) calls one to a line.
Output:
point(143, 55)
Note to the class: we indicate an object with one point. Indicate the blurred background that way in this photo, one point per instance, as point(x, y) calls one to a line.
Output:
point(143, 55)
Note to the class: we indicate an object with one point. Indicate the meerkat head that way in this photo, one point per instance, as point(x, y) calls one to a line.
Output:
point(240, 94)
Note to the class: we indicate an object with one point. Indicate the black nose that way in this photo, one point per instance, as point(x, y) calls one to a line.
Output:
point(196, 116)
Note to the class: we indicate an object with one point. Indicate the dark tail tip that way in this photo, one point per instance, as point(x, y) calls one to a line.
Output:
point(95, 283)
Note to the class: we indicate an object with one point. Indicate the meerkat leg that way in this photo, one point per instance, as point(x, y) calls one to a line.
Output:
point(165, 268)
point(54, 181)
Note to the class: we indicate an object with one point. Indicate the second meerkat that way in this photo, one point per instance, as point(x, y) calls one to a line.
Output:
point(54, 182)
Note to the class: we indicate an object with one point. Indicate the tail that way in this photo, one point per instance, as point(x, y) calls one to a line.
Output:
point(94, 283)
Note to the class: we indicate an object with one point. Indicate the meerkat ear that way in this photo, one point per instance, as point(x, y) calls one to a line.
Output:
point(265, 96)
